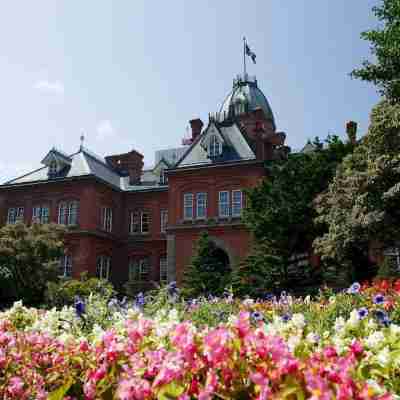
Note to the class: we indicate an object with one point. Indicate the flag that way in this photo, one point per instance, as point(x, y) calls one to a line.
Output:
point(250, 53)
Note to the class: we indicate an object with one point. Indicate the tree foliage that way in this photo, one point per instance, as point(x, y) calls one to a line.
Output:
point(28, 258)
point(361, 205)
point(208, 273)
point(280, 213)
point(385, 46)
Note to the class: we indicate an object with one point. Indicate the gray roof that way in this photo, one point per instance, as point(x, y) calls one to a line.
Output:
point(86, 163)
point(171, 156)
point(235, 147)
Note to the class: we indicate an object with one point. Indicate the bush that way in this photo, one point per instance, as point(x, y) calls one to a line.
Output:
point(65, 291)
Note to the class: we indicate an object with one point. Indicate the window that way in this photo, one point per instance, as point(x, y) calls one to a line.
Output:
point(53, 168)
point(392, 254)
point(15, 215)
point(163, 177)
point(223, 204)
point(103, 267)
point(140, 222)
point(68, 213)
point(237, 203)
point(201, 205)
point(65, 266)
point(215, 147)
point(40, 215)
point(164, 221)
point(106, 217)
point(188, 206)
point(139, 269)
point(163, 270)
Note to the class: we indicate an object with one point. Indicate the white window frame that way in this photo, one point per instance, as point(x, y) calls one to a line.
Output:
point(163, 221)
point(237, 206)
point(145, 219)
point(214, 147)
point(107, 218)
point(163, 177)
point(139, 269)
point(224, 206)
point(163, 270)
point(65, 266)
point(188, 206)
point(15, 215)
point(138, 219)
point(53, 168)
point(68, 212)
point(40, 214)
point(103, 267)
point(201, 205)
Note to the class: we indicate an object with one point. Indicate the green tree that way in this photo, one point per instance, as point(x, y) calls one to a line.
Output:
point(385, 46)
point(281, 216)
point(361, 204)
point(28, 258)
point(208, 272)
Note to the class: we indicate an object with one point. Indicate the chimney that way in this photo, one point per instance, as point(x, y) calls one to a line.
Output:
point(196, 125)
point(351, 130)
point(129, 163)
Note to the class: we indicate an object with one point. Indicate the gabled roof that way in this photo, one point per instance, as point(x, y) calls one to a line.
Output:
point(56, 155)
point(236, 147)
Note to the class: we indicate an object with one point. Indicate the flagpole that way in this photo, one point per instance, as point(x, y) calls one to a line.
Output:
point(244, 57)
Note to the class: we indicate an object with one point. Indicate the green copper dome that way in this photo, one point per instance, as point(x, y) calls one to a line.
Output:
point(245, 97)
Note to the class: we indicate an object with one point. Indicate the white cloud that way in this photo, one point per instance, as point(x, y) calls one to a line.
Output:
point(105, 130)
point(56, 87)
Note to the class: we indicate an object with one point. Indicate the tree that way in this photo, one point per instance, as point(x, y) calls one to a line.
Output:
point(361, 204)
point(208, 272)
point(28, 258)
point(281, 216)
point(385, 46)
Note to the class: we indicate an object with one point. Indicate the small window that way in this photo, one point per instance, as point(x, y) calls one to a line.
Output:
point(215, 147)
point(15, 215)
point(106, 216)
point(53, 168)
point(65, 266)
point(163, 270)
point(164, 221)
point(40, 215)
point(134, 222)
point(188, 206)
point(139, 269)
point(223, 204)
point(163, 177)
point(68, 213)
point(237, 203)
point(201, 205)
point(103, 267)
point(145, 222)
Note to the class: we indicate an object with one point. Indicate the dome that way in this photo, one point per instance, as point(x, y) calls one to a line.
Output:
point(245, 97)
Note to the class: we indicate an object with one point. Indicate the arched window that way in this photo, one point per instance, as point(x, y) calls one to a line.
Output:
point(215, 147)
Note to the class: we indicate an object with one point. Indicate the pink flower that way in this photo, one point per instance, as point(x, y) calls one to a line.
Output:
point(15, 387)
point(133, 389)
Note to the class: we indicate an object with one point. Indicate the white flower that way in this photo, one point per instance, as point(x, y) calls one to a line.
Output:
point(354, 319)
point(293, 342)
point(248, 302)
point(383, 357)
point(339, 324)
point(298, 321)
point(312, 338)
point(394, 329)
point(374, 340)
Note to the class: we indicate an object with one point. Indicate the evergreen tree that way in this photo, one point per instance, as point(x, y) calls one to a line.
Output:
point(208, 273)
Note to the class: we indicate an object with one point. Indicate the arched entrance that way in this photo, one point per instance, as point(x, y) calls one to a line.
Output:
point(222, 258)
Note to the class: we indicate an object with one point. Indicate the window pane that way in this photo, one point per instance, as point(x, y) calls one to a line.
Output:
point(135, 222)
point(144, 270)
point(20, 214)
point(223, 204)
point(11, 216)
point(73, 211)
point(237, 203)
point(163, 270)
point(164, 220)
point(62, 213)
point(201, 205)
point(133, 270)
point(45, 215)
point(188, 206)
point(145, 222)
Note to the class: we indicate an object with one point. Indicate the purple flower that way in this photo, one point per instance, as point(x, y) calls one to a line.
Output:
point(140, 300)
point(362, 312)
point(354, 288)
point(379, 299)
point(79, 307)
point(257, 316)
point(286, 317)
point(382, 317)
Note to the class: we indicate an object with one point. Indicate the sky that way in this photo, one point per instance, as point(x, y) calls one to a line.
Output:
point(131, 74)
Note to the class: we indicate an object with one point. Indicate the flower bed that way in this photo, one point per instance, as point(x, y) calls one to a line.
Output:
point(338, 346)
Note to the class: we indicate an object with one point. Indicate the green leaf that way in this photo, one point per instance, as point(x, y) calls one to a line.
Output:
point(60, 393)
point(171, 391)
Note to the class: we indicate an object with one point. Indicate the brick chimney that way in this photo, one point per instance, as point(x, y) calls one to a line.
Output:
point(351, 130)
point(196, 125)
point(128, 163)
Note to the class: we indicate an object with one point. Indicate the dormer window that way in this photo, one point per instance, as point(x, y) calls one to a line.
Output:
point(53, 168)
point(215, 147)
point(163, 177)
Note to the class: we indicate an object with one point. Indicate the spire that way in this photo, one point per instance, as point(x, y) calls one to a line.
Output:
point(82, 138)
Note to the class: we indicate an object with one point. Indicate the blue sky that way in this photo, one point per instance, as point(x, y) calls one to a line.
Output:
point(131, 74)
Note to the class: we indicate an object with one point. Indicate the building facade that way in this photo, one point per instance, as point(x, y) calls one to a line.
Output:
point(138, 226)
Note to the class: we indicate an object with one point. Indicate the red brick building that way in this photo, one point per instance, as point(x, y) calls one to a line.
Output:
point(136, 225)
